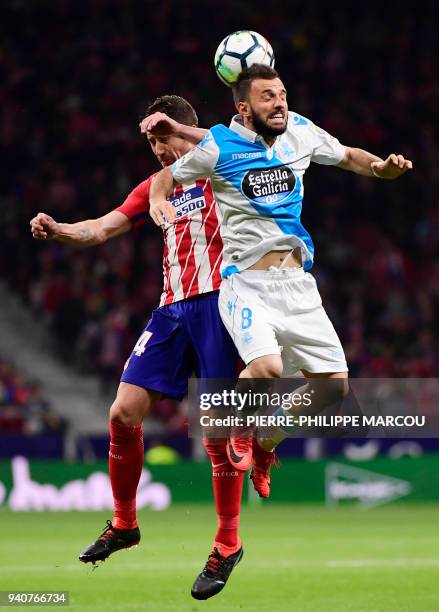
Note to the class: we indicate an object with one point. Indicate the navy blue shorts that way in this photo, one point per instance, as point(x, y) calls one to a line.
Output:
point(180, 339)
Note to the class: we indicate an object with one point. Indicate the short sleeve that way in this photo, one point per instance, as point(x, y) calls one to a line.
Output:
point(327, 150)
point(197, 163)
point(136, 204)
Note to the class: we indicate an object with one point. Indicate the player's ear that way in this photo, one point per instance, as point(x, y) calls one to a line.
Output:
point(243, 108)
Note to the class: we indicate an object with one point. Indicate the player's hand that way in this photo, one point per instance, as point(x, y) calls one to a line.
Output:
point(159, 124)
point(162, 212)
point(43, 227)
point(392, 167)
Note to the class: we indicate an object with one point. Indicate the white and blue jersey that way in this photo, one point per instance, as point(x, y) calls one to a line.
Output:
point(259, 189)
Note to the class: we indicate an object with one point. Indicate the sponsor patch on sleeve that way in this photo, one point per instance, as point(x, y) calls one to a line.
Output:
point(189, 201)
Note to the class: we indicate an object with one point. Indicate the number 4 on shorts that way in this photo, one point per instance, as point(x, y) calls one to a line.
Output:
point(139, 347)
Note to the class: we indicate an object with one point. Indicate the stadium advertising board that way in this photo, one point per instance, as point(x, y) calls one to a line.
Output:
point(56, 486)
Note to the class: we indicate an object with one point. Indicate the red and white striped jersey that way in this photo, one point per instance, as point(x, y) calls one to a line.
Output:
point(193, 245)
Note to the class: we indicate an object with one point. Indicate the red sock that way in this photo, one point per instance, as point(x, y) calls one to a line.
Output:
point(125, 464)
point(227, 489)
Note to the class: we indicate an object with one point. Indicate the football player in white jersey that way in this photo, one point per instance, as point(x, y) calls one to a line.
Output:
point(269, 301)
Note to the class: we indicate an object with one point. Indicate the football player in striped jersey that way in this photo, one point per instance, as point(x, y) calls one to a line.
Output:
point(185, 335)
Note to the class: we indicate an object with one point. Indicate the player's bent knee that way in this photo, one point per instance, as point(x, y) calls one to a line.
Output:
point(132, 404)
point(269, 366)
point(127, 414)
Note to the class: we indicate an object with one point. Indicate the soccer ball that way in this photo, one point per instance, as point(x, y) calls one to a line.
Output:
point(239, 51)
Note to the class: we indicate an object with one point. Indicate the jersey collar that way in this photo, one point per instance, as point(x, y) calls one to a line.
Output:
point(237, 126)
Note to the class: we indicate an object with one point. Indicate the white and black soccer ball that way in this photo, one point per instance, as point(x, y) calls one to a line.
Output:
point(239, 51)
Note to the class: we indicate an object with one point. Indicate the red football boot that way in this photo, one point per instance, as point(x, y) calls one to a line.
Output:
point(240, 452)
point(239, 446)
point(260, 474)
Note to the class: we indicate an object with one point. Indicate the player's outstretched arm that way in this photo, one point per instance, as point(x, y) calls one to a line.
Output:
point(160, 209)
point(160, 125)
point(365, 163)
point(84, 233)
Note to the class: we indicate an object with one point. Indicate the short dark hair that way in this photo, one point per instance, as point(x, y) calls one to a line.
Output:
point(175, 107)
point(256, 71)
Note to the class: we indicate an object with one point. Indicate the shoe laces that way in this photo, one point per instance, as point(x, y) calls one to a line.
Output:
point(215, 563)
point(108, 532)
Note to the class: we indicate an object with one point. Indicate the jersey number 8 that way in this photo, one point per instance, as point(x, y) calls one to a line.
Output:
point(246, 315)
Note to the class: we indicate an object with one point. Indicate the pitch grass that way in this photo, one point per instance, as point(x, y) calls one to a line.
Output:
point(301, 558)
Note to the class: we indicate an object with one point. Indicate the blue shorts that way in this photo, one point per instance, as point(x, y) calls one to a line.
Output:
point(180, 339)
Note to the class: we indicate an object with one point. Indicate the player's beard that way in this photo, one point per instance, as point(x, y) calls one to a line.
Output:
point(261, 127)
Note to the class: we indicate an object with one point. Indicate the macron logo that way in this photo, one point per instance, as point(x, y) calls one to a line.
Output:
point(252, 155)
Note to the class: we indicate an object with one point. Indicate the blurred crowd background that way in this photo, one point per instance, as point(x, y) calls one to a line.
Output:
point(76, 79)
point(24, 409)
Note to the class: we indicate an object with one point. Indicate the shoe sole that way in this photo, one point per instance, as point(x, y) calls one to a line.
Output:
point(106, 557)
point(257, 490)
point(261, 495)
point(239, 558)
